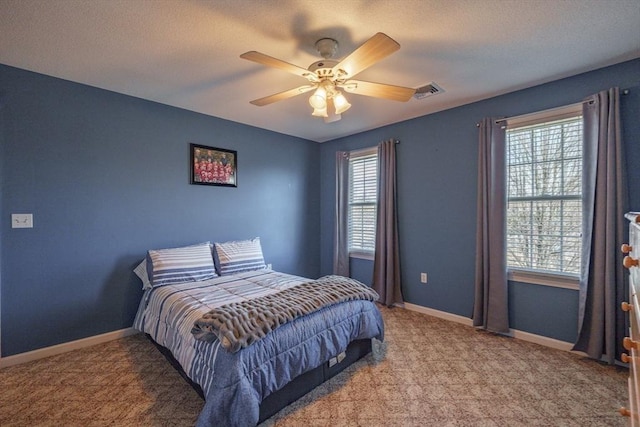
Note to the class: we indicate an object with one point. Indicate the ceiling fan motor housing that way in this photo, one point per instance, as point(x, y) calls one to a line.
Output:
point(323, 68)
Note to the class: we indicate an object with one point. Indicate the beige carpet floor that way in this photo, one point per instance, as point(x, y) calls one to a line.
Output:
point(433, 373)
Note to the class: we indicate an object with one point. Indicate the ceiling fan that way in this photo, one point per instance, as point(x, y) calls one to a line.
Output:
point(328, 76)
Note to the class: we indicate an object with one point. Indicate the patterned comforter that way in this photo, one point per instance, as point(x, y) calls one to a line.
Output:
point(234, 384)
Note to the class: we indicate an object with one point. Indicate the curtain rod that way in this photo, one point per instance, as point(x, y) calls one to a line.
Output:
point(623, 92)
point(362, 150)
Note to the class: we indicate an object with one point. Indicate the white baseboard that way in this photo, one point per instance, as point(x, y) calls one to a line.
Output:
point(525, 336)
point(439, 314)
point(65, 347)
point(542, 340)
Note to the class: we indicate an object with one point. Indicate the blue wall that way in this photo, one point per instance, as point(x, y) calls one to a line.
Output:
point(437, 170)
point(106, 178)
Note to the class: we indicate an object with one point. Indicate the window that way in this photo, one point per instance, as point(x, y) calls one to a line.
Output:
point(363, 197)
point(544, 192)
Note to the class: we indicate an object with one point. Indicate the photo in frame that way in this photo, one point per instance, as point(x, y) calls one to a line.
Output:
point(213, 166)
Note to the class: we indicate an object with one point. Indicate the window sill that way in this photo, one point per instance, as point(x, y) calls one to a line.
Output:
point(361, 255)
point(545, 279)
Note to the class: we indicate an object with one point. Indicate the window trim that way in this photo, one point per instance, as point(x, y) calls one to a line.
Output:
point(538, 117)
point(541, 277)
point(538, 277)
point(362, 255)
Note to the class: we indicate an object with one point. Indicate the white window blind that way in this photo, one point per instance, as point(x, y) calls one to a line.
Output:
point(544, 195)
point(363, 196)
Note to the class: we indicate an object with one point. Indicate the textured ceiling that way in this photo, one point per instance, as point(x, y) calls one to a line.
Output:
point(186, 53)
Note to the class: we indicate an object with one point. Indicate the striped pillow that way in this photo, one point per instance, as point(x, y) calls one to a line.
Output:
point(239, 256)
point(179, 265)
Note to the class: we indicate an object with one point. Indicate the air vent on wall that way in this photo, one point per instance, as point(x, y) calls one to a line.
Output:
point(428, 90)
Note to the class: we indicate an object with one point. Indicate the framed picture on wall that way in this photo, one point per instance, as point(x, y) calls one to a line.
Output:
point(213, 166)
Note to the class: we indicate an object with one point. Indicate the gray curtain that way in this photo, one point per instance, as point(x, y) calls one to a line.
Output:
point(341, 234)
point(490, 309)
point(386, 264)
point(603, 281)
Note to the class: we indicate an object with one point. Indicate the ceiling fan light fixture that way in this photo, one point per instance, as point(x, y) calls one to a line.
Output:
point(319, 99)
point(320, 112)
point(331, 116)
point(341, 103)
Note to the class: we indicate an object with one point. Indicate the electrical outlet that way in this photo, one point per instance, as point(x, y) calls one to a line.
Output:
point(21, 220)
point(423, 277)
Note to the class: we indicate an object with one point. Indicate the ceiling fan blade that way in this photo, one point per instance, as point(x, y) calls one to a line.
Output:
point(270, 61)
point(378, 90)
point(373, 50)
point(282, 95)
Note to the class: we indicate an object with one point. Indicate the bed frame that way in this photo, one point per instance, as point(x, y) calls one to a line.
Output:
point(295, 389)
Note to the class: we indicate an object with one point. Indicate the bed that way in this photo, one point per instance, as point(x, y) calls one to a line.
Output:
point(245, 383)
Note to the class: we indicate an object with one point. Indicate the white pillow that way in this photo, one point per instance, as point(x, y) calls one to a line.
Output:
point(141, 272)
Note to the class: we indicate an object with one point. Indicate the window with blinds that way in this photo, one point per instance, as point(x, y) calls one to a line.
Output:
point(363, 196)
point(544, 194)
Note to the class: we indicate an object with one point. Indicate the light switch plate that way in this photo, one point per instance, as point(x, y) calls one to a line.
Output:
point(21, 220)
